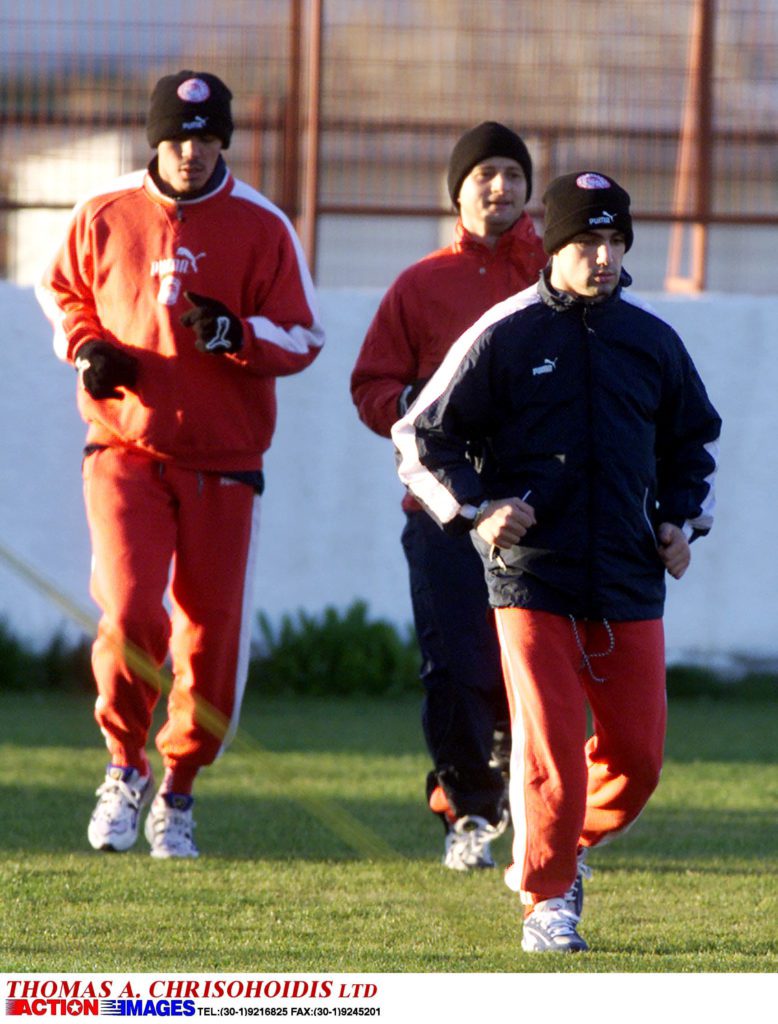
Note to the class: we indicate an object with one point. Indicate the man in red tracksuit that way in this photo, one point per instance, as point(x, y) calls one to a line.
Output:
point(495, 253)
point(179, 294)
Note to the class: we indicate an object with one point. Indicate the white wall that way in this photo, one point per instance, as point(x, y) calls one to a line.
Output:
point(331, 516)
point(46, 171)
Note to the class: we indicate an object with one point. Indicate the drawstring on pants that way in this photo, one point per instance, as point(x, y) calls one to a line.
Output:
point(587, 658)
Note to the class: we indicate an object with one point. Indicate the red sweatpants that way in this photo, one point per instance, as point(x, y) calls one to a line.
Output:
point(566, 790)
point(155, 529)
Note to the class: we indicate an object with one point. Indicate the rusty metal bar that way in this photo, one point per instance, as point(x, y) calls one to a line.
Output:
point(290, 162)
point(645, 216)
point(694, 169)
point(310, 196)
point(266, 120)
point(375, 210)
point(704, 147)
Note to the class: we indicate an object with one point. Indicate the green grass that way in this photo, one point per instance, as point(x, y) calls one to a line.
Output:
point(318, 854)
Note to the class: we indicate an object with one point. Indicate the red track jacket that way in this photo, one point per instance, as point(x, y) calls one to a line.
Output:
point(429, 306)
point(130, 254)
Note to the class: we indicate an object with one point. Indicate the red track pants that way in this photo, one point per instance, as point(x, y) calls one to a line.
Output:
point(146, 516)
point(567, 791)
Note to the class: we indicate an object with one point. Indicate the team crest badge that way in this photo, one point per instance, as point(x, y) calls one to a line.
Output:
point(590, 181)
point(193, 90)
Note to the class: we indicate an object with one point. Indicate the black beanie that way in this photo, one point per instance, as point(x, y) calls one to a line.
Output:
point(486, 140)
point(189, 102)
point(576, 203)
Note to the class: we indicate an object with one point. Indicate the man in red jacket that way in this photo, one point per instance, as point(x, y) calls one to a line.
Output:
point(179, 295)
point(495, 253)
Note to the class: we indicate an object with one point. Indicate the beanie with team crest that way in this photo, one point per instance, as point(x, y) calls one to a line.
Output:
point(189, 103)
point(583, 201)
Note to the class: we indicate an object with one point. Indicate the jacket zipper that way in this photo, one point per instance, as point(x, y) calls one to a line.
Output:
point(590, 333)
point(648, 517)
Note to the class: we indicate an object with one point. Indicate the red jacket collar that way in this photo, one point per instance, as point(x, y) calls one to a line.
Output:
point(521, 234)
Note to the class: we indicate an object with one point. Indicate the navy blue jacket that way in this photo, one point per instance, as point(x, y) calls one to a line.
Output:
point(592, 410)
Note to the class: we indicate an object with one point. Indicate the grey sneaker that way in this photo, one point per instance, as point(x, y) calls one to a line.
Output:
point(169, 827)
point(114, 822)
point(468, 841)
point(551, 928)
point(574, 897)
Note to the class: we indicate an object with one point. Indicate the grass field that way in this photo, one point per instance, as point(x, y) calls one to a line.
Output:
point(317, 854)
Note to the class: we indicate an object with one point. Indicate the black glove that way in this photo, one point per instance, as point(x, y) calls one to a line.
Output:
point(409, 394)
point(103, 367)
point(217, 329)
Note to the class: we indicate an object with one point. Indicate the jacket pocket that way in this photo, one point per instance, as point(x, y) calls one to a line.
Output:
point(544, 476)
point(498, 558)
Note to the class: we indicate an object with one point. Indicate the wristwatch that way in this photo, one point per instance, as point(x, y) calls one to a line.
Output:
point(480, 512)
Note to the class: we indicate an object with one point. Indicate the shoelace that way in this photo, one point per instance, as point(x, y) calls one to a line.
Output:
point(560, 922)
point(478, 839)
point(477, 833)
point(481, 830)
point(113, 791)
point(556, 920)
point(177, 826)
point(584, 871)
point(573, 897)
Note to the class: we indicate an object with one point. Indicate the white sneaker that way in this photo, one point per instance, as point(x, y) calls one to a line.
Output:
point(468, 841)
point(114, 821)
point(169, 826)
point(551, 928)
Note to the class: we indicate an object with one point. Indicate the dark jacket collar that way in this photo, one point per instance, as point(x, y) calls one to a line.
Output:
point(213, 183)
point(562, 301)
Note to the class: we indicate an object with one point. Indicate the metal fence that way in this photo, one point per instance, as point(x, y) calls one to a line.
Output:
point(349, 108)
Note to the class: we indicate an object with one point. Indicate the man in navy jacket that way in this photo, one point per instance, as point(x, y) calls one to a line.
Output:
point(599, 452)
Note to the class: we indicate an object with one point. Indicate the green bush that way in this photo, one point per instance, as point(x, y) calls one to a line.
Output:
point(333, 653)
point(18, 666)
point(60, 665)
point(695, 681)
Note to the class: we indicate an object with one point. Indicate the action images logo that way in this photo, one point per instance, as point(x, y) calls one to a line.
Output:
point(148, 1007)
point(96, 1007)
point(175, 997)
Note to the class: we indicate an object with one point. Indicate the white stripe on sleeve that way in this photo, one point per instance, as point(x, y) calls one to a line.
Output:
point(298, 339)
point(704, 521)
point(416, 477)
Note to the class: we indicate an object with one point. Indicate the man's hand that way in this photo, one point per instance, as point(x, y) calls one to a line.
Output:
point(217, 329)
point(674, 550)
point(103, 368)
point(505, 521)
